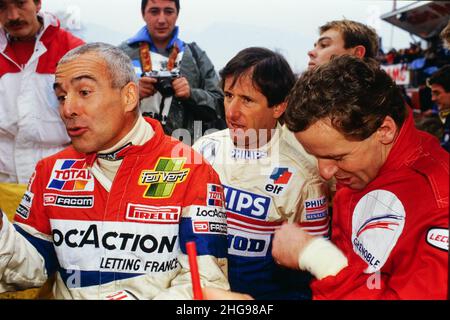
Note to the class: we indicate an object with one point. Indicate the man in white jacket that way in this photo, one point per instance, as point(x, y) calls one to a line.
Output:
point(31, 44)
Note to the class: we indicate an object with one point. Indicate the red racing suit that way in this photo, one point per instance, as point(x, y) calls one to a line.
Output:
point(395, 231)
point(130, 240)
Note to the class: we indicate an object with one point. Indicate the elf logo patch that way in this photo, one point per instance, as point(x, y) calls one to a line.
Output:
point(163, 179)
point(279, 179)
point(71, 176)
point(377, 224)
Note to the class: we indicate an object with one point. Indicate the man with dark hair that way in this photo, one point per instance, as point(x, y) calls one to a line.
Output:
point(266, 180)
point(439, 83)
point(110, 216)
point(390, 221)
point(343, 37)
point(178, 84)
point(31, 43)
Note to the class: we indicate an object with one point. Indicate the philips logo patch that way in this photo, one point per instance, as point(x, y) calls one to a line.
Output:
point(378, 221)
point(71, 176)
point(246, 204)
point(54, 200)
point(316, 209)
point(152, 214)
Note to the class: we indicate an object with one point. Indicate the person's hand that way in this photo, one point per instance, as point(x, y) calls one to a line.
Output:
point(182, 88)
point(147, 87)
point(219, 294)
point(288, 243)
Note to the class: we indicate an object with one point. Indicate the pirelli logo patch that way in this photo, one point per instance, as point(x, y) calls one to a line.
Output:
point(152, 214)
point(163, 179)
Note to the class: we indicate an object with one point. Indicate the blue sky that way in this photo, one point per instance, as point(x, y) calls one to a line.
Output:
point(223, 27)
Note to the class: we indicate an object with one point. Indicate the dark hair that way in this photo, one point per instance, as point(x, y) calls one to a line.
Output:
point(355, 34)
point(271, 73)
point(441, 77)
point(355, 94)
point(144, 4)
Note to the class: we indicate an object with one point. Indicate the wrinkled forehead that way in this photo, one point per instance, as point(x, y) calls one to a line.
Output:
point(89, 65)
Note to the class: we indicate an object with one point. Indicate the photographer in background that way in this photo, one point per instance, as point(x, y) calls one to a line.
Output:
point(178, 82)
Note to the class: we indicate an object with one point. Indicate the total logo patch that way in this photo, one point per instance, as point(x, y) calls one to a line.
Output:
point(279, 180)
point(438, 238)
point(55, 200)
point(378, 221)
point(163, 179)
point(153, 214)
point(71, 176)
point(215, 197)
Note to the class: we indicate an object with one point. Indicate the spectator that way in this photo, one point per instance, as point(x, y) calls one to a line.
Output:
point(266, 180)
point(31, 43)
point(196, 93)
point(439, 83)
point(111, 214)
point(343, 37)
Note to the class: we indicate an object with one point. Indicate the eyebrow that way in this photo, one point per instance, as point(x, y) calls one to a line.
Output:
point(323, 38)
point(57, 85)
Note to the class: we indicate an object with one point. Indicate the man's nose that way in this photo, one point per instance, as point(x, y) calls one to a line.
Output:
point(233, 109)
point(69, 108)
point(12, 13)
point(327, 168)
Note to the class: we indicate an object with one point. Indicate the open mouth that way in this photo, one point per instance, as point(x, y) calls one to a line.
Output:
point(76, 131)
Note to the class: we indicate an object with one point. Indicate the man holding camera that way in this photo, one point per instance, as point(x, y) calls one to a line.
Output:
point(178, 82)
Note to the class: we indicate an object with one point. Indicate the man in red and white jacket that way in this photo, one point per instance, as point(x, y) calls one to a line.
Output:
point(31, 44)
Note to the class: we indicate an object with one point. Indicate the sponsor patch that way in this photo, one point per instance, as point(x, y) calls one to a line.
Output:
point(163, 179)
point(378, 221)
point(246, 203)
point(215, 196)
point(133, 248)
point(24, 207)
point(208, 227)
point(153, 214)
point(438, 238)
point(316, 209)
point(55, 200)
point(71, 176)
point(244, 154)
point(279, 180)
point(245, 244)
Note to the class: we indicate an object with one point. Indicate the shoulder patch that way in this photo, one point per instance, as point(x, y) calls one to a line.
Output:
point(378, 221)
point(438, 238)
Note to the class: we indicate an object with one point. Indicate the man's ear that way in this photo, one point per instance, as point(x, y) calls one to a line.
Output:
point(279, 109)
point(130, 96)
point(359, 51)
point(38, 6)
point(387, 132)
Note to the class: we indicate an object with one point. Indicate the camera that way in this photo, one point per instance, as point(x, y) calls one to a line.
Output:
point(164, 81)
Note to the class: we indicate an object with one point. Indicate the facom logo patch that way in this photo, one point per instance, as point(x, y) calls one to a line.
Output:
point(162, 180)
point(246, 203)
point(153, 214)
point(215, 196)
point(71, 176)
point(209, 227)
point(54, 200)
